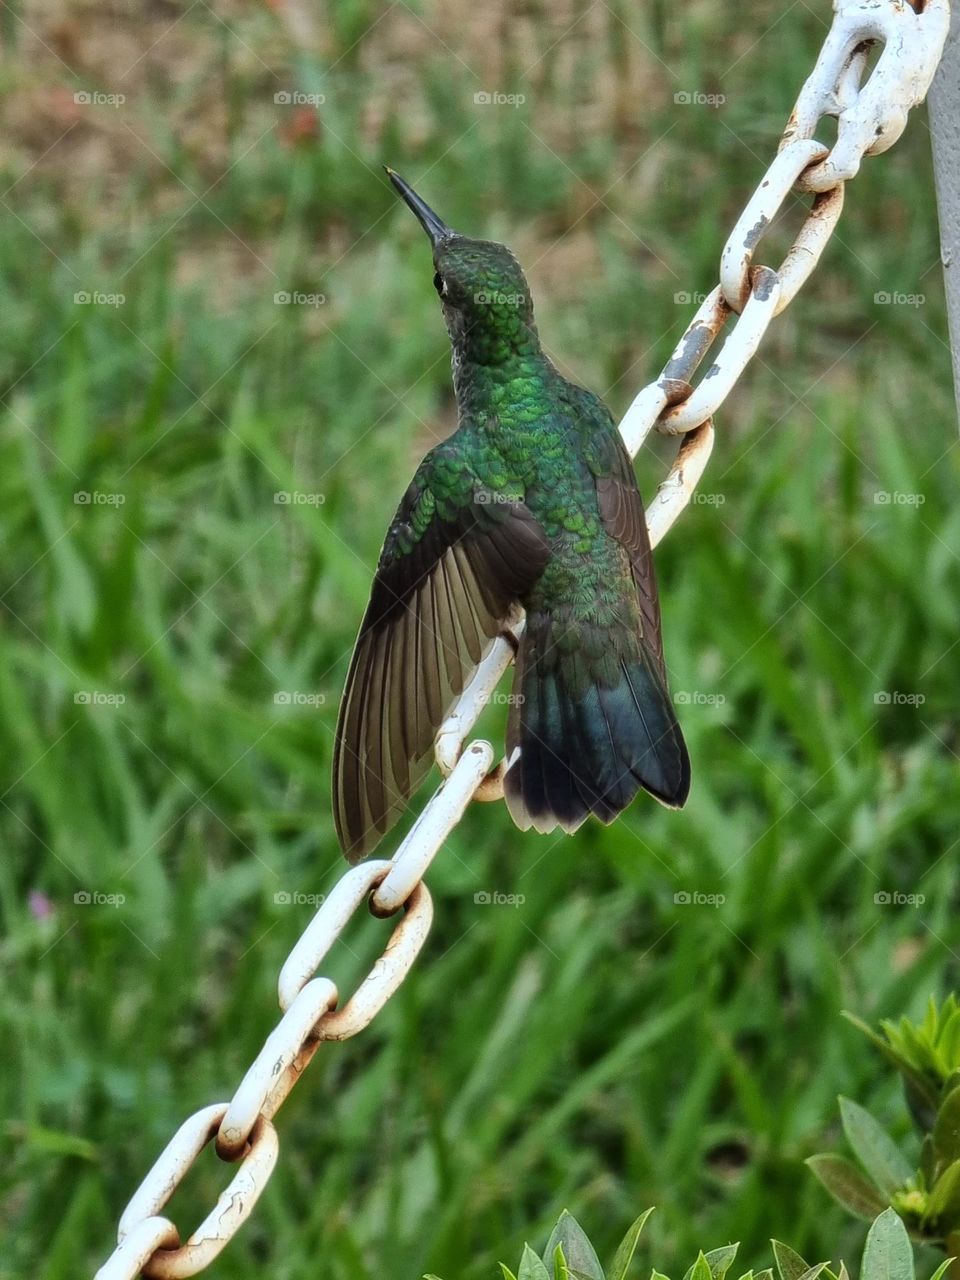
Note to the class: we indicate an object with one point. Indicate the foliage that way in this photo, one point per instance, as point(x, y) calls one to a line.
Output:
point(569, 1255)
point(927, 1054)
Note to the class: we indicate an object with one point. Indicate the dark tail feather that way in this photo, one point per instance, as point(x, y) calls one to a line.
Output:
point(576, 746)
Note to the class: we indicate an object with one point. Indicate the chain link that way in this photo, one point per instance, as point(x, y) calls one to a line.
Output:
point(232, 1209)
point(871, 118)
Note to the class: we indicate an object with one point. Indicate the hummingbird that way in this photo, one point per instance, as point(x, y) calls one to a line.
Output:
point(532, 501)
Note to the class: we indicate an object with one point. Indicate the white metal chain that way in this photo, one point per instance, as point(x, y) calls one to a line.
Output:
point(871, 118)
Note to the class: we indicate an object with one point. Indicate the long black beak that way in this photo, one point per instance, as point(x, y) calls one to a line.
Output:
point(435, 227)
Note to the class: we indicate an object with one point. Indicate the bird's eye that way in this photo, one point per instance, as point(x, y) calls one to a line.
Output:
point(439, 285)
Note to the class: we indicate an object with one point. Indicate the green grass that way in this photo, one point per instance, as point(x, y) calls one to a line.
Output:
point(600, 1047)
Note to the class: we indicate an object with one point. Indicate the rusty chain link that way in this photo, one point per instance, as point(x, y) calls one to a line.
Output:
point(871, 117)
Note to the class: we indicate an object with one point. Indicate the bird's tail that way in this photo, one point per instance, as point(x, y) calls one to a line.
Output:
point(591, 723)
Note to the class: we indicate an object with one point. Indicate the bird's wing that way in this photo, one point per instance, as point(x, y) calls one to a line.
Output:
point(456, 557)
point(621, 510)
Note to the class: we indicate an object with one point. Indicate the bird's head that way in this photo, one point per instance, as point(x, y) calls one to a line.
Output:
point(485, 297)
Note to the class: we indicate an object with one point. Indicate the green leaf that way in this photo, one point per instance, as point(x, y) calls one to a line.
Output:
point(931, 1019)
point(943, 1201)
point(579, 1255)
point(874, 1037)
point(942, 1269)
point(658, 1275)
point(628, 1247)
point(700, 1269)
point(922, 1093)
point(531, 1268)
point(949, 1045)
point(560, 1269)
point(721, 1260)
point(718, 1263)
point(507, 1273)
point(789, 1263)
point(874, 1148)
point(847, 1185)
point(928, 1161)
point(887, 1255)
point(946, 1130)
point(923, 1098)
point(819, 1268)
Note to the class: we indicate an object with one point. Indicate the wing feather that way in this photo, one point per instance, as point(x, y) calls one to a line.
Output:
point(621, 509)
point(449, 572)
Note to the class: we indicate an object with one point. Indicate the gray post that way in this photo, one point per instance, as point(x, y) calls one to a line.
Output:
point(945, 124)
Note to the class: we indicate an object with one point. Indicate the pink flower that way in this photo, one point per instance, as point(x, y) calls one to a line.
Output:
point(41, 907)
